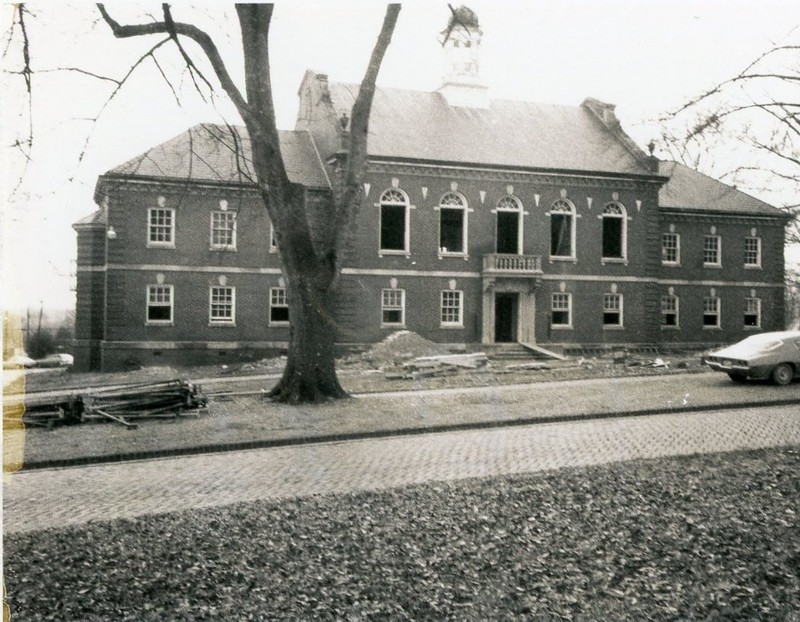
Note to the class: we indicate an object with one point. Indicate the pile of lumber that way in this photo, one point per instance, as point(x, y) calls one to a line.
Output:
point(438, 365)
point(119, 404)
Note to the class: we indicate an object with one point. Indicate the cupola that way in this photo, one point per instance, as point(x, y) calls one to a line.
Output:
point(461, 48)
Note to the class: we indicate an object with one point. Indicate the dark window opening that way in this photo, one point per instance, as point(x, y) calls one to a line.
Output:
point(612, 238)
point(751, 319)
point(508, 232)
point(393, 227)
point(560, 318)
point(158, 313)
point(561, 235)
point(279, 314)
point(451, 230)
point(669, 319)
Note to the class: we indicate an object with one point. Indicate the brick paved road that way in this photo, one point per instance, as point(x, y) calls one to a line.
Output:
point(40, 499)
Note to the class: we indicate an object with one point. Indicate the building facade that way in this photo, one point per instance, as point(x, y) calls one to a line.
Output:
point(483, 222)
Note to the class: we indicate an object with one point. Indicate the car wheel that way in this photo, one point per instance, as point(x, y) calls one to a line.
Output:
point(782, 374)
point(737, 377)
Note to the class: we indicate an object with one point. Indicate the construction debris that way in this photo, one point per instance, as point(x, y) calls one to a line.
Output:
point(118, 404)
point(437, 366)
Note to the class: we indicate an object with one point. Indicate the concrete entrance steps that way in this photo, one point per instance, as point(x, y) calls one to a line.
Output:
point(516, 352)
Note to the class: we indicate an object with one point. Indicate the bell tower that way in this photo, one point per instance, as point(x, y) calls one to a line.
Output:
point(461, 46)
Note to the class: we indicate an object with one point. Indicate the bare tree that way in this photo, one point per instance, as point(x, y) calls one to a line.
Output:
point(746, 129)
point(312, 239)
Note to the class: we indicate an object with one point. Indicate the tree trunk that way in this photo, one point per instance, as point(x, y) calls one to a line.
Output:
point(310, 373)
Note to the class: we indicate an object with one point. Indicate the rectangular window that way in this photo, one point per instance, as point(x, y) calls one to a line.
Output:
point(561, 235)
point(711, 312)
point(278, 306)
point(451, 230)
point(393, 307)
point(671, 248)
point(752, 252)
point(613, 238)
point(161, 227)
point(159, 304)
point(752, 313)
point(561, 310)
point(223, 230)
point(712, 250)
point(669, 311)
point(612, 309)
point(452, 308)
point(221, 305)
point(393, 227)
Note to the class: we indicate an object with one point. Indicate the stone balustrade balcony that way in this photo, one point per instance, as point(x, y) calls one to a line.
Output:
point(501, 264)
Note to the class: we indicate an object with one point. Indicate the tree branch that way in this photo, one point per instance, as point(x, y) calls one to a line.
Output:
point(198, 36)
point(349, 203)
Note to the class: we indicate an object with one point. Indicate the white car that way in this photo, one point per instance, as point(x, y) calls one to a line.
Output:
point(766, 355)
point(57, 359)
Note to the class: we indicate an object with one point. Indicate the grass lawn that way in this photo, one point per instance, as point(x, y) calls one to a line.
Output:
point(699, 538)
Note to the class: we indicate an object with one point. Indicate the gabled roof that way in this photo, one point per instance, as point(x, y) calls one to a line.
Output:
point(221, 153)
point(692, 191)
point(422, 125)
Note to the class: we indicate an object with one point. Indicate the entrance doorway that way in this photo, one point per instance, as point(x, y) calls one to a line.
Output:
point(505, 317)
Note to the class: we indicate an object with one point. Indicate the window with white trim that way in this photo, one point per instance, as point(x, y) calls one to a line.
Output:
point(393, 307)
point(752, 313)
point(453, 224)
point(612, 310)
point(161, 227)
point(223, 230)
point(561, 310)
point(711, 313)
point(752, 252)
point(615, 231)
point(221, 305)
point(562, 230)
point(278, 306)
point(671, 248)
point(452, 308)
point(509, 226)
point(394, 232)
point(670, 309)
point(712, 250)
point(160, 302)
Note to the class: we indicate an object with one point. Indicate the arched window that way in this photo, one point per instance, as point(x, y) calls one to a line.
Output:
point(453, 224)
point(394, 230)
point(562, 229)
point(509, 225)
point(614, 231)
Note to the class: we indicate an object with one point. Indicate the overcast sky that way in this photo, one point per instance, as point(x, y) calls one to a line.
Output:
point(645, 56)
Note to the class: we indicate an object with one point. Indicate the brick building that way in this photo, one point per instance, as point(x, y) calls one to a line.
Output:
point(483, 222)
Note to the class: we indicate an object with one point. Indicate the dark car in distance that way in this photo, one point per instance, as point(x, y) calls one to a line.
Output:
point(766, 355)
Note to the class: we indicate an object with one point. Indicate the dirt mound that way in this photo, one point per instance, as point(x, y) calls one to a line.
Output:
point(401, 346)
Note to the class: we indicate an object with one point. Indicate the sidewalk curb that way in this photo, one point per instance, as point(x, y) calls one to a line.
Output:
point(376, 434)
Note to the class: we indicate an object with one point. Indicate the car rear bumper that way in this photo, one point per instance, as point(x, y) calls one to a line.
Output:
point(756, 372)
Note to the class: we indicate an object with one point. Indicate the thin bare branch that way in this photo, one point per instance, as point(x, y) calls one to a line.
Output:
point(189, 63)
point(198, 36)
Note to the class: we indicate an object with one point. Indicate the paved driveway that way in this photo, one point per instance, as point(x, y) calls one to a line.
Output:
point(41, 499)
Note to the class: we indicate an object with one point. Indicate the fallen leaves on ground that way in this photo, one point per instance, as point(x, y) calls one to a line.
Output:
point(698, 538)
